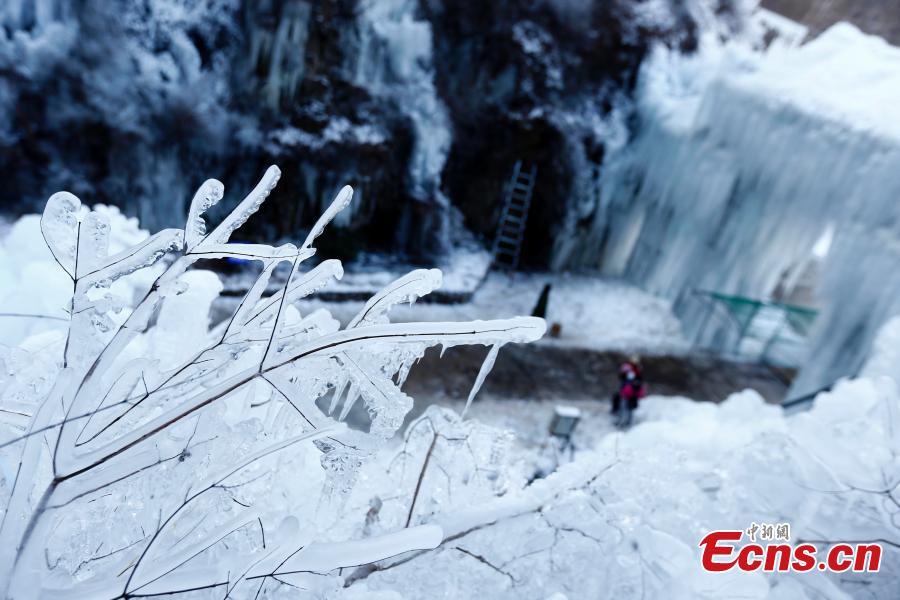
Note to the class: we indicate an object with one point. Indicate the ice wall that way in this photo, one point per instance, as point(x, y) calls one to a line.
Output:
point(394, 60)
point(282, 52)
point(741, 163)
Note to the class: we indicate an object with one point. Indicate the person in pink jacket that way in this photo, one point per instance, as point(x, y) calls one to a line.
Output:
point(631, 390)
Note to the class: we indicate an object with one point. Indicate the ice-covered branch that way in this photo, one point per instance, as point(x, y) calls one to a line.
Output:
point(169, 429)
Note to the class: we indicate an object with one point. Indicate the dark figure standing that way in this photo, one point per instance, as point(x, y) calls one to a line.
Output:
point(631, 389)
point(540, 309)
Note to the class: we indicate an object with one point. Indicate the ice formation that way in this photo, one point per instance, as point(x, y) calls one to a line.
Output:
point(141, 448)
point(741, 164)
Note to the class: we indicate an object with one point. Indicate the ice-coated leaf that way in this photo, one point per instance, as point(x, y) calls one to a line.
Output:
point(140, 256)
point(93, 242)
point(301, 286)
point(386, 402)
point(340, 202)
point(59, 226)
point(250, 299)
point(408, 288)
point(249, 205)
point(207, 196)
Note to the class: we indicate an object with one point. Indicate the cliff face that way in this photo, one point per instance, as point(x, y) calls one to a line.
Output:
point(538, 82)
point(136, 103)
point(422, 105)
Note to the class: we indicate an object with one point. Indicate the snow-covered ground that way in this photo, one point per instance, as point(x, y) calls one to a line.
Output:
point(592, 312)
point(624, 518)
point(463, 268)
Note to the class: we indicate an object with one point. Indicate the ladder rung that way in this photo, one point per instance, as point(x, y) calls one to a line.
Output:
point(513, 217)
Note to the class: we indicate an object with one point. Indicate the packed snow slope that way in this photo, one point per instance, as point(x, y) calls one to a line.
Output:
point(624, 518)
point(748, 168)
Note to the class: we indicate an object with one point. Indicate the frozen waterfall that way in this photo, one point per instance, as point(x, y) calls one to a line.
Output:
point(395, 60)
point(741, 164)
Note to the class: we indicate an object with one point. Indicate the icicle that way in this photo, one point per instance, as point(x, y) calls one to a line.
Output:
point(486, 367)
point(338, 392)
point(352, 396)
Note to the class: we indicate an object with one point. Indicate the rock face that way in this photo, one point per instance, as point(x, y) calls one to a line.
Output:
point(538, 81)
point(135, 103)
point(422, 105)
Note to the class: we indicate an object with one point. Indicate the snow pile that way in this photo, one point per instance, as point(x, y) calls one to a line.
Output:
point(744, 161)
point(34, 290)
point(843, 76)
point(624, 520)
point(884, 360)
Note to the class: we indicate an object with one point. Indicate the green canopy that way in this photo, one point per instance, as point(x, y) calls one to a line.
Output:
point(742, 310)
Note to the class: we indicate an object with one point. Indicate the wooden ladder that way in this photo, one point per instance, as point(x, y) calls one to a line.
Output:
point(511, 229)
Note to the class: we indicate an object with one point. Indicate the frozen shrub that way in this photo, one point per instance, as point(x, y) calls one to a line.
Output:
point(153, 454)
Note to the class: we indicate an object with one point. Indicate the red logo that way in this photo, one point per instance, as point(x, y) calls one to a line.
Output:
point(721, 552)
